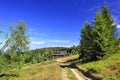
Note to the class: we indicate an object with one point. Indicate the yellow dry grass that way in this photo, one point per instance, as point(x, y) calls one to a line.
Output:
point(40, 71)
point(72, 57)
point(50, 72)
point(47, 70)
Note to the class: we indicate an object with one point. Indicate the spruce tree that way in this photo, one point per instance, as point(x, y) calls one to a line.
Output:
point(104, 33)
point(112, 28)
point(86, 42)
point(100, 39)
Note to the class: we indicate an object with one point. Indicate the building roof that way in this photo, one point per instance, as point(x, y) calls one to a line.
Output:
point(59, 53)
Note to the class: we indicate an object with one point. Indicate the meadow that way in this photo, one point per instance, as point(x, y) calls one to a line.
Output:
point(108, 69)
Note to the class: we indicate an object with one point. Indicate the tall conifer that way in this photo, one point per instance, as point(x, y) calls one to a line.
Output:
point(86, 41)
point(100, 39)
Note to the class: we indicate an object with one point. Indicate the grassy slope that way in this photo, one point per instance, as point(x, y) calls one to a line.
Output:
point(107, 69)
point(48, 70)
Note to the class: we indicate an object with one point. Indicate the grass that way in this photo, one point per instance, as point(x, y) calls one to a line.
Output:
point(48, 70)
point(70, 74)
point(67, 58)
point(108, 69)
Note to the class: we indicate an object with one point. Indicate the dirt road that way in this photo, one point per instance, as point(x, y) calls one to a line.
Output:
point(77, 75)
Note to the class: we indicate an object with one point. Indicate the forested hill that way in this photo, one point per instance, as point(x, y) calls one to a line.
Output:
point(70, 50)
point(44, 54)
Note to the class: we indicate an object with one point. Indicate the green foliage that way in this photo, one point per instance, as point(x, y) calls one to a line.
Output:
point(74, 49)
point(101, 36)
point(106, 68)
point(33, 61)
point(118, 74)
point(93, 70)
point(100, 40)
point(15, 45)
point(113, 41)
point(86, 42)
point(2, 64)
point(18, 40)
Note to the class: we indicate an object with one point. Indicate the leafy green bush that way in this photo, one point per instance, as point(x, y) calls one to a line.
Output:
point(93, 70)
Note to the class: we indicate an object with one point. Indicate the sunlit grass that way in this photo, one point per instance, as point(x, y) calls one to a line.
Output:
point(72, 57)
point(108, 68)
point(48, 70)
point(70, 74)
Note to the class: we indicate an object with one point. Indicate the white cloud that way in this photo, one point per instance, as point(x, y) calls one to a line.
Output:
point(60, 41)
point(38, 42)
point(50, 43)
point(118, 26)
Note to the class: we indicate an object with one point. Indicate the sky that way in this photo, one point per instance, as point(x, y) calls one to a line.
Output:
point(53, 23)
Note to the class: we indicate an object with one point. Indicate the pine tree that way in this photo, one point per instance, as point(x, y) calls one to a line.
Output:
point(86, 42)
point(99, 40)
point(100, 37)
point(113, 38)
point(104, 33)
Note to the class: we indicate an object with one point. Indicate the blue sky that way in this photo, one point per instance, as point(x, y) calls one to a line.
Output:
point(53, 23)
